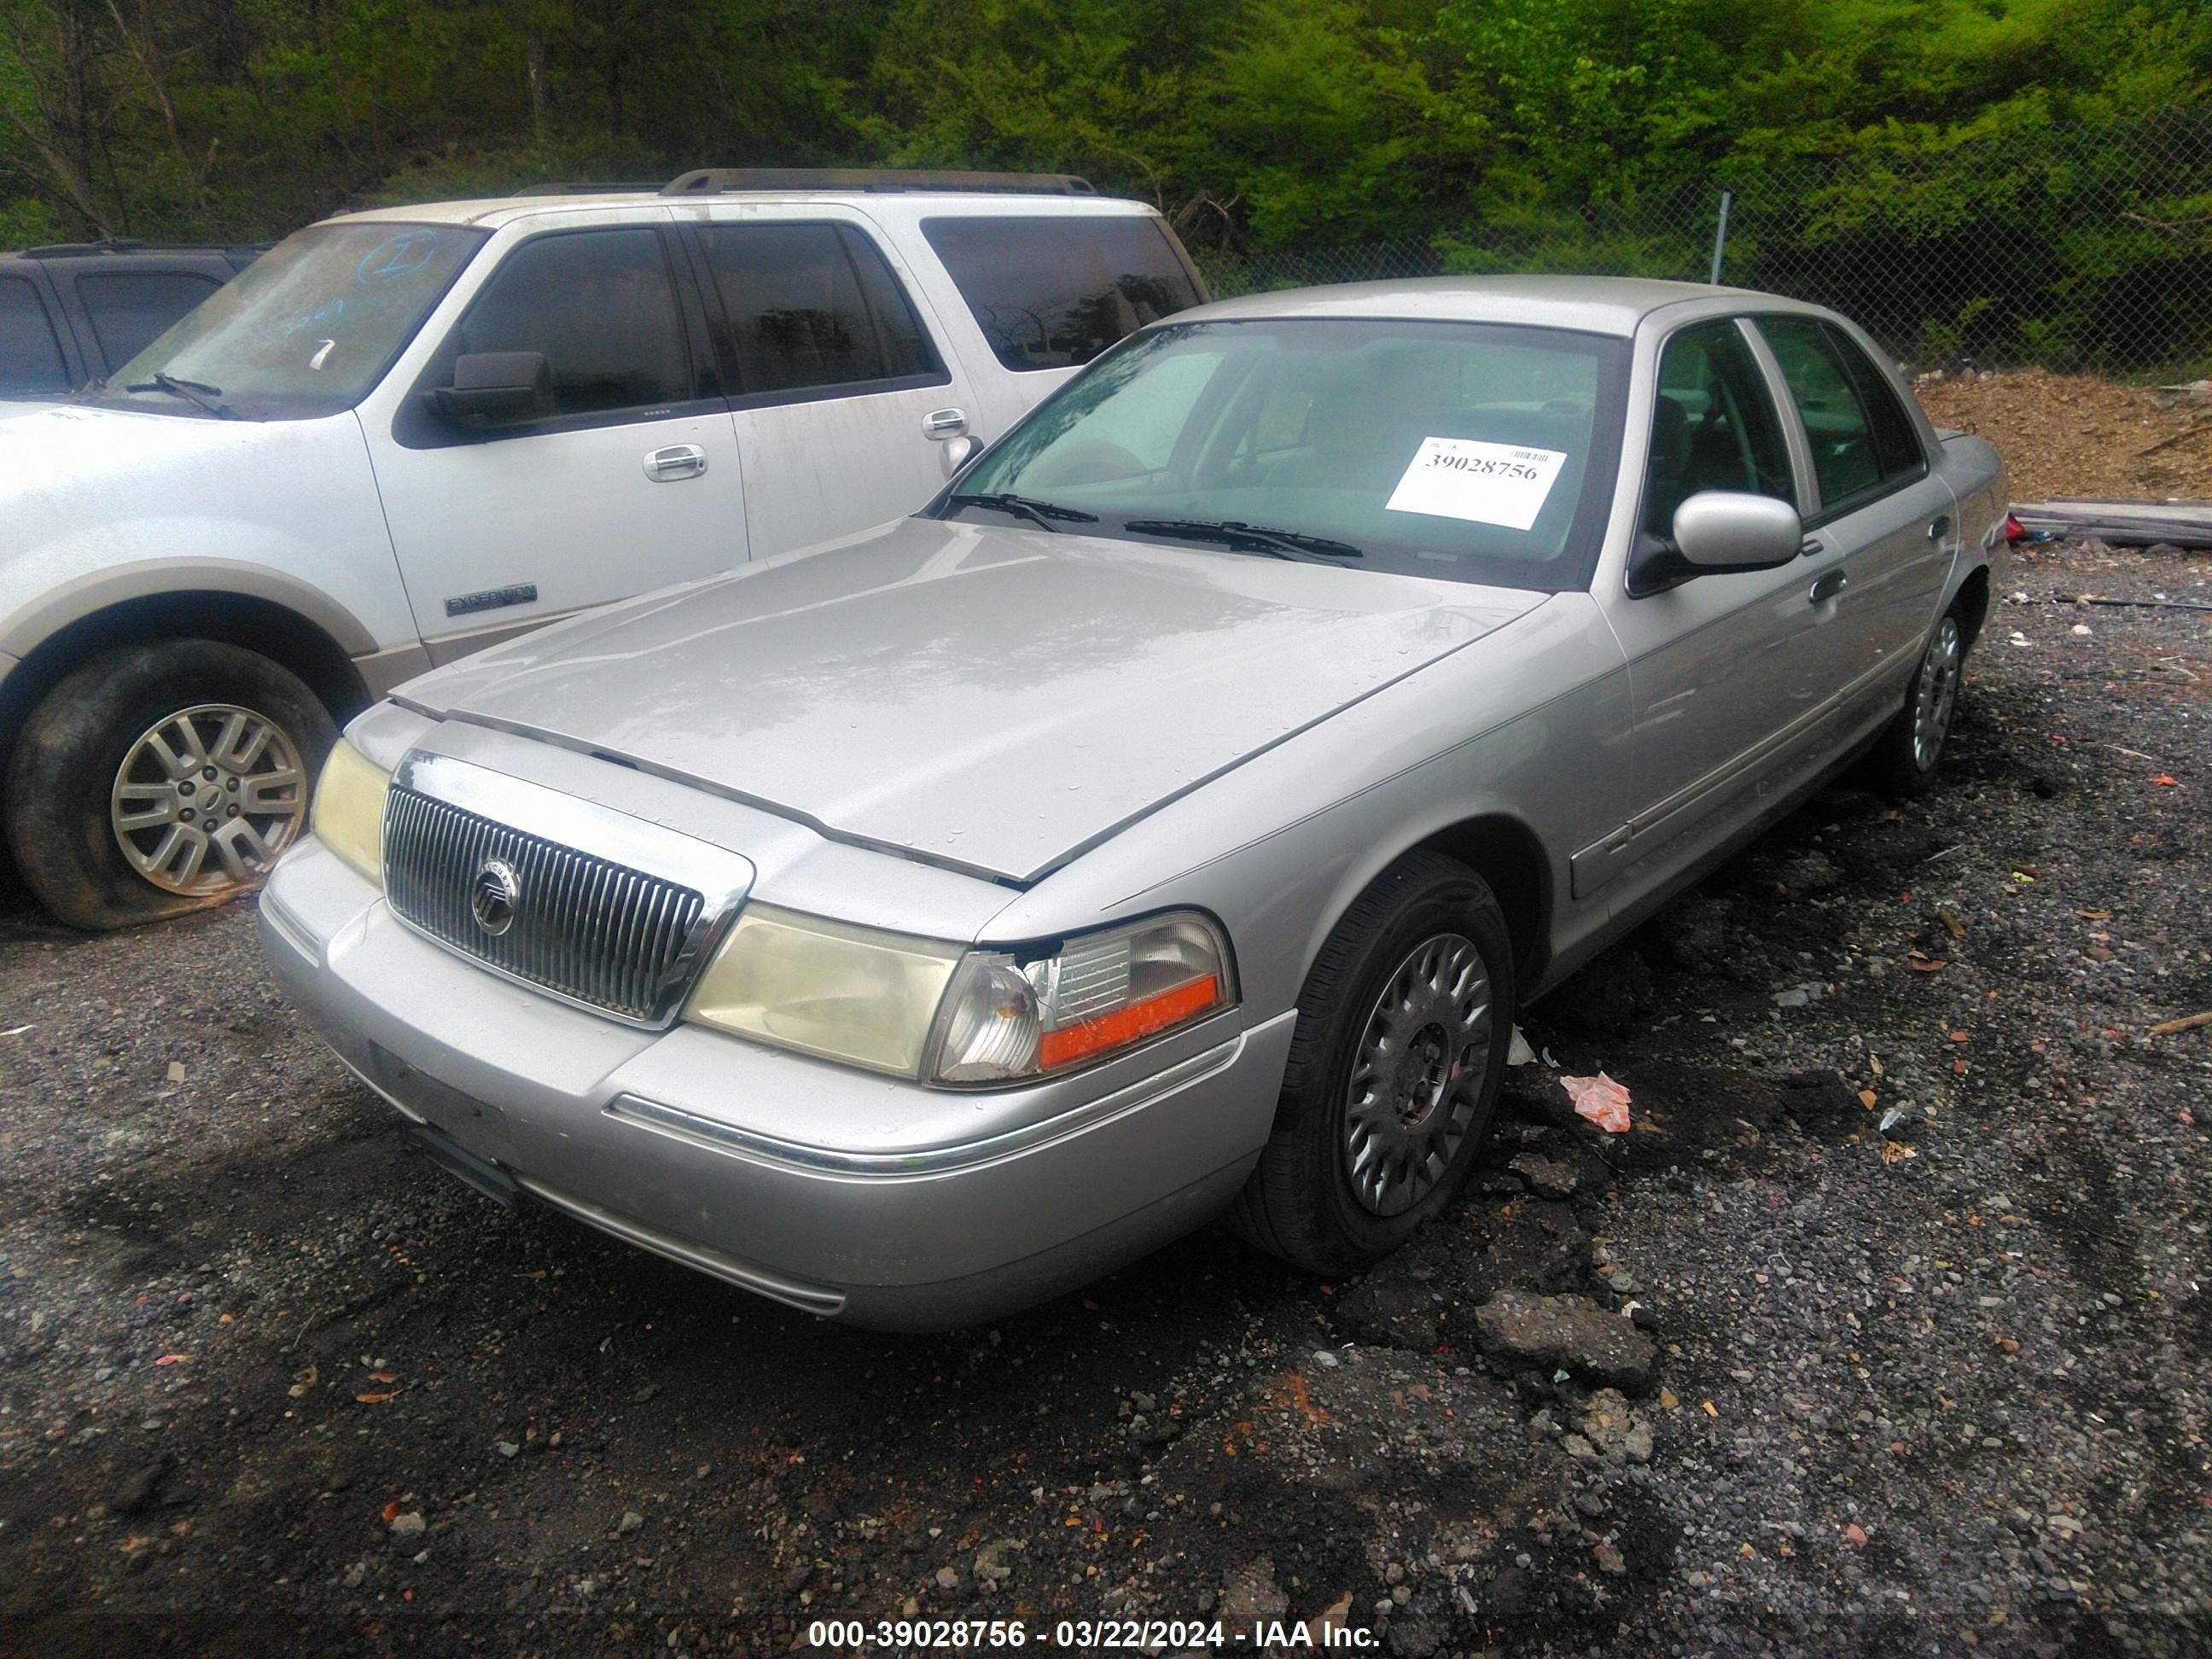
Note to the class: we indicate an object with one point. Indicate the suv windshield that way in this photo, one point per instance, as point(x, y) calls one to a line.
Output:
point(308, 328)
point(1473, 452)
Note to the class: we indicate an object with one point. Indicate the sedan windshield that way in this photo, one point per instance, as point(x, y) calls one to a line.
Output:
point(1473, 452)
point(305, 330)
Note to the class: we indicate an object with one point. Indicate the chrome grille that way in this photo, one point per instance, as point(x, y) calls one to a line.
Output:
point(584, 928)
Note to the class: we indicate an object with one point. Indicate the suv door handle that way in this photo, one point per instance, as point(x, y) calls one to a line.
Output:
point(676, 461)
point(1827, 585)
point(1940, 527)
point(943, 423)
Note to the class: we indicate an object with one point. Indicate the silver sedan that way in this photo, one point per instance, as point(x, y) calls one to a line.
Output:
point(1170, 817)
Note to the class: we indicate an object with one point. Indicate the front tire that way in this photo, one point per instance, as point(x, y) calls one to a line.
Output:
point(1403, 1028)
point(160, 778)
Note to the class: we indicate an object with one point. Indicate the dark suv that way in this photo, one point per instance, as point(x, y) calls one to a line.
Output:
point(79, 310)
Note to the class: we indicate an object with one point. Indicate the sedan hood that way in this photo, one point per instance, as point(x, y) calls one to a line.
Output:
point(995, 699)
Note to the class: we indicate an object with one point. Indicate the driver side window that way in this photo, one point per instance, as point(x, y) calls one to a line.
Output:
point(598, 305)
point(1713, 426)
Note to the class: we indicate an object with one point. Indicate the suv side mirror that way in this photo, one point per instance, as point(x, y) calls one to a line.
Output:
point(1717, 532)
point(495, 385)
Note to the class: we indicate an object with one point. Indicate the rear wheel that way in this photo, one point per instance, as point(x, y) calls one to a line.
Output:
point(159, 778)
point(1395, 1069)
point(1906, 757)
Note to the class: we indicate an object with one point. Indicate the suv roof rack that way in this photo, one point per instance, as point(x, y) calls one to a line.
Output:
point(78, 250)
point(713, 182)
point(134, 245)
point(575, 187)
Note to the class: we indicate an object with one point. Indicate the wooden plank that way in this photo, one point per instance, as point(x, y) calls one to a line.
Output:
point(2192, 511)
point(2124, 524)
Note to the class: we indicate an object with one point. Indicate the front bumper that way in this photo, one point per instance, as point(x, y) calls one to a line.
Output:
point(847, 1194)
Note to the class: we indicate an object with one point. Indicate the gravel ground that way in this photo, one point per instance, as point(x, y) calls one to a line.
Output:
point(270, 1381)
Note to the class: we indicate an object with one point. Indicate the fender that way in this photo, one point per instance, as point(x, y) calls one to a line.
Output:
point(99, 589)
point(108, 507)
point(1526, 781)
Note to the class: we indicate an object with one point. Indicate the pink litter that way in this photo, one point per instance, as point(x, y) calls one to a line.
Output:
point(1601, 1100)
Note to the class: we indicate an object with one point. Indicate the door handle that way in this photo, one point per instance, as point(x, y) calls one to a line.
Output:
point(676, 461)
point(943, 423)
point(1827, 585)
point(1940, 528)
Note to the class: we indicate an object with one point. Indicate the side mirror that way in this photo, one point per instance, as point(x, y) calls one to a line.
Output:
point(1716, 531)
point(496, 385)
point(960, 451)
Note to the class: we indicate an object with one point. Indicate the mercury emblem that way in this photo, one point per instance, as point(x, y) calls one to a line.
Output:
point(495, 895)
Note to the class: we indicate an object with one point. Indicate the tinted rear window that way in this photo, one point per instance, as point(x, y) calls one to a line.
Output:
point(30, 356)
point(811, 306)
point(130, 310)
point(1051, 293)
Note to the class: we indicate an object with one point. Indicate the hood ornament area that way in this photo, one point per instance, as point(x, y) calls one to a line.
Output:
point(495, 895)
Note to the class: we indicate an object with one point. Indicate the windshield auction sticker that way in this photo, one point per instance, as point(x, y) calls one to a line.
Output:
point(1466, 478)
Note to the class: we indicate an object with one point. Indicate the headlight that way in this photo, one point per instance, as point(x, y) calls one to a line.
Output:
point(1011, 1015)
point(827, 987)
point(348, 811)
point(888, 1001)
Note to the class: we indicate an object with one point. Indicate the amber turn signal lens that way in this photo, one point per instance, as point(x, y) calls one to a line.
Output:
point(1127, 1025)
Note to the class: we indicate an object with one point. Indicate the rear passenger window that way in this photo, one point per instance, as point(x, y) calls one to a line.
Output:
point(131, 309)
point(598, 305)
point(30, 357)
point(1896, 442)
point(811, 306)
point(1861, 439)
point(1050, 292)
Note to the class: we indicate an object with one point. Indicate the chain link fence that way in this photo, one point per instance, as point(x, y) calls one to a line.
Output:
point(2072, 249)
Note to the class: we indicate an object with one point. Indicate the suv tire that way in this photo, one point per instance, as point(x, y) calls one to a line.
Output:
point(160, 778)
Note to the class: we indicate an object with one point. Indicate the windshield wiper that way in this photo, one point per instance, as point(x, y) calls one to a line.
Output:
point(1235, 533)
point(192, 391)
point(1026, 507)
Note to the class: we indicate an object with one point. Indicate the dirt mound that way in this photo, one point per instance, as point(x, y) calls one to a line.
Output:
point(2075, 434)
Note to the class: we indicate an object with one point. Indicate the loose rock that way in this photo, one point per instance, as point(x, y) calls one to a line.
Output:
point(1547, 1177)
point(1251, 1595)
point(1567, 1332)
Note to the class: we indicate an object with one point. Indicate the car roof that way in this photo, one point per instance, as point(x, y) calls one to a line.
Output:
point(1590, 305)
point(490, 213)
